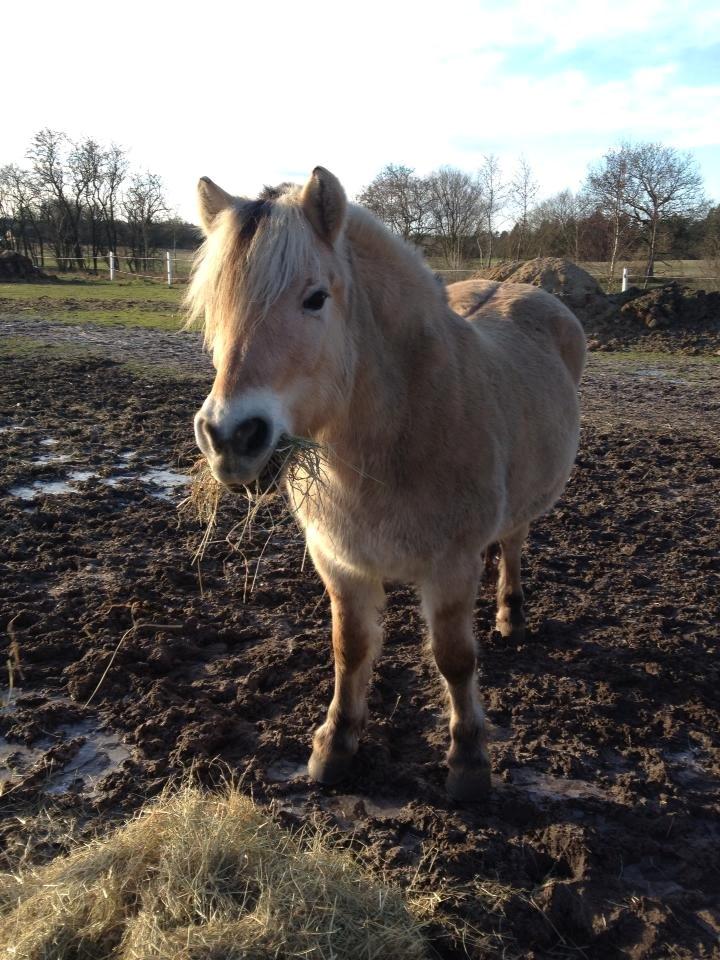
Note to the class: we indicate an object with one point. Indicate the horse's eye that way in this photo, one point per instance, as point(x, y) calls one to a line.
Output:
point(315, 301)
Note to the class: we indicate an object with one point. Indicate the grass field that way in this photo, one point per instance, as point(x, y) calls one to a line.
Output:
point(138, 303)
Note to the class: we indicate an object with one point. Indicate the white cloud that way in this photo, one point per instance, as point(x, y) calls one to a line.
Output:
point(251, 94)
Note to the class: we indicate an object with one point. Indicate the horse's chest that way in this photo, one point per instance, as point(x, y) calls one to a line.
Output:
point(365, 535)
point(371, 549)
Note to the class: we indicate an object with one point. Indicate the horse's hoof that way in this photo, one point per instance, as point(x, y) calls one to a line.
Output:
point(515, 633)
point(468, 784)
point(328, 770)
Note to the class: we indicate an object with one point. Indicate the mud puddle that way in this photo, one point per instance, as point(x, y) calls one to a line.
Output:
point(163, 481)
point(76, 756)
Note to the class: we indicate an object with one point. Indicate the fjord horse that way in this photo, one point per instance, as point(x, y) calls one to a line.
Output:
point(447, 421)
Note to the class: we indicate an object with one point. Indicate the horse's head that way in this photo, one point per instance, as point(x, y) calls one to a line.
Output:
point(272, 282)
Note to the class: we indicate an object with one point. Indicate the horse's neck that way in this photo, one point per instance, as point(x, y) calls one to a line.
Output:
point(398, 316)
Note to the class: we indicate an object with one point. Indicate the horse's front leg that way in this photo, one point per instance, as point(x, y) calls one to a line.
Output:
point(449, 610)
point(357, 605)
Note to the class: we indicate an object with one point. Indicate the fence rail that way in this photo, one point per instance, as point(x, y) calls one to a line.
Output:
point(170, 274)
point(113, 260)
point(663, 278)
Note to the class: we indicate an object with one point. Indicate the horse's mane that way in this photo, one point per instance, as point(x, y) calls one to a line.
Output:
point(252, 254)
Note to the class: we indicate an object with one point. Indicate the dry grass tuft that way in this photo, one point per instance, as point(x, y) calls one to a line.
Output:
point(199, 877)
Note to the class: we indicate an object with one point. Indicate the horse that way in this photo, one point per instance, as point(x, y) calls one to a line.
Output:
point(448, 422)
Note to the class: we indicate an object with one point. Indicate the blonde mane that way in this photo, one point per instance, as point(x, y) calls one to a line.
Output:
point(250, 257)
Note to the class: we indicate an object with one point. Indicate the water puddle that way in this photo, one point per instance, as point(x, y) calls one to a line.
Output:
point(354, 807)
point(657, 373)
point(556, 788)
point(163, 481)
point(99, 753)
point(286, 772)
point(51, 458)
point(686, 769)
point(349, 807)
point(51, 487)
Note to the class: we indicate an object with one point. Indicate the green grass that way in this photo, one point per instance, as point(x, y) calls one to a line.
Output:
point(134, 303)
point(93, 289)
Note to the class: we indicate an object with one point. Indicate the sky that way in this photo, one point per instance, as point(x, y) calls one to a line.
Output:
point(256, 93)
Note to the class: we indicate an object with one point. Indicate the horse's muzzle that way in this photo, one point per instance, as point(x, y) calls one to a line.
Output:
point(238, 457)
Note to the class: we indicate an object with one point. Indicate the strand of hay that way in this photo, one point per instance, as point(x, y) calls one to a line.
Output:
point(198, 877)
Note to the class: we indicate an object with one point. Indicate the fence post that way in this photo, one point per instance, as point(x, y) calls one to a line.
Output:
point(111, 256)
point(168, 257)
point(625, 280)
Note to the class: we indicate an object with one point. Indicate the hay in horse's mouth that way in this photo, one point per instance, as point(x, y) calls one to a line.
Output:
point(298, 460)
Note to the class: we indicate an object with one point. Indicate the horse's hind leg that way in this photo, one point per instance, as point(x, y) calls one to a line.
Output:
point(510, 619)
point(449, 613)
point(357, 638)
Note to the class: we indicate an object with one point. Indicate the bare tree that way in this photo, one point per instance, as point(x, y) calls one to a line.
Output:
point(87, 163)
point(523, 190)
point(558, 224)
point(661, 182)
point(62, 186)
point(19, 207)
point(494, 198)
point(115, 167)
point(143, 203)
point(456, 210)
point(607, 186)
point(400, 199)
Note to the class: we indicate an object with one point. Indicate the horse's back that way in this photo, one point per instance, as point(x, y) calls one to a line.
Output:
point(534, 312)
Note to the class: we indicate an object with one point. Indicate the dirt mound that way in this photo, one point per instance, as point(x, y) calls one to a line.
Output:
point(15, 266)
point(670, 318)
point(573, 285)
point(669, 306)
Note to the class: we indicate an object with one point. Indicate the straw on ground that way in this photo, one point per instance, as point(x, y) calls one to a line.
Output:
point(199, 876)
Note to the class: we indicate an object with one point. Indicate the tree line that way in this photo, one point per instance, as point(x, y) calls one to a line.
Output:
point(639, 200)
point(78, 200)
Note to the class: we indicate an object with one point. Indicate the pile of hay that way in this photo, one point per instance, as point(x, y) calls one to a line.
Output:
point(199, 877)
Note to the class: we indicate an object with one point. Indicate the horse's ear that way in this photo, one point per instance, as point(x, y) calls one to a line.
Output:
point(324, 204)
point(211, 200)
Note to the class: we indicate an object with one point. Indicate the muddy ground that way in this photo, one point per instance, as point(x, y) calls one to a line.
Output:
point(601, 838)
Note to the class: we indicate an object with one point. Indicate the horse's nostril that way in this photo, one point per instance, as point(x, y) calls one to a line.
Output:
point(251, 437)
point(204, 431)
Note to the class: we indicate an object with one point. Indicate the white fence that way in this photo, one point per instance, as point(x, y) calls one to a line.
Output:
point(691, 278)
point(168, 274)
